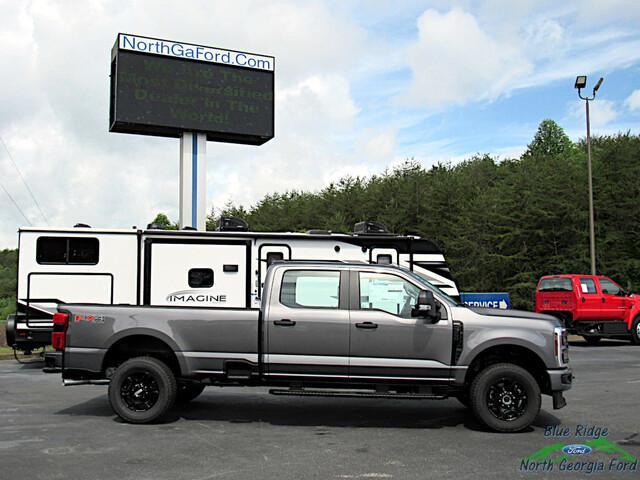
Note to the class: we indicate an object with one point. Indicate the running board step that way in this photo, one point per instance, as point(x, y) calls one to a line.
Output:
point(352, 394)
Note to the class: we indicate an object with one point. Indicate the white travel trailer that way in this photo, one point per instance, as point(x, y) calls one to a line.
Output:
point(186, 268)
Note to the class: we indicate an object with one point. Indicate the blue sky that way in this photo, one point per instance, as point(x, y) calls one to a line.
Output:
point(360, 86)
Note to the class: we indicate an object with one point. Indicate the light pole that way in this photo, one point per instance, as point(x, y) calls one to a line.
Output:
point(581, 82)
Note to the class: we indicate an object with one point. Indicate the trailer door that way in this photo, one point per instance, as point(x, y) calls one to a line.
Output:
point(196, 273)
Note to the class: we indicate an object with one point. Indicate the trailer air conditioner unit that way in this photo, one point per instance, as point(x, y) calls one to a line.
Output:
point(232, 224)
point(154, 226)
point(370, 227)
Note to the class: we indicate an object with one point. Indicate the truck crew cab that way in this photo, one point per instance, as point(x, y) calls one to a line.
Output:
point(593, 306)
point(323, 329)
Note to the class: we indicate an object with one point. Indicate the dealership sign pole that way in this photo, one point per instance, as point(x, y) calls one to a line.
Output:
point(193, 180)
point(194, 93)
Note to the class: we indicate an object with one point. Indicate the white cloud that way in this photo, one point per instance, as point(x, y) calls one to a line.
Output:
point(455, 61)
point(633, 101)
point(601, 112)
point(461, 57)
point(55, 107)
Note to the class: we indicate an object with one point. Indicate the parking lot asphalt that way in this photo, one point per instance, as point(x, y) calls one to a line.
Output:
point(48, 431)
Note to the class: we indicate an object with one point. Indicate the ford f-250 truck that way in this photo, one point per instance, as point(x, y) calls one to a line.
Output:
point(593, 306)
point(323, 329)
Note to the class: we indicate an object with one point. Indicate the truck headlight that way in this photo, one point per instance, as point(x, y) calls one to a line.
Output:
point(561, 345)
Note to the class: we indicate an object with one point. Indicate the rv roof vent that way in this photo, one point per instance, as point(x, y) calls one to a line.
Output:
point(319, 232)
point(189, 227)
point(370, 227)
point(154, 226)
point(81, 225)
point(232, 224)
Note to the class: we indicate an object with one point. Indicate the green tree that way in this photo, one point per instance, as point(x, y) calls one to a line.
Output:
point(8, 278)
point(163, 222)
point(550, 139)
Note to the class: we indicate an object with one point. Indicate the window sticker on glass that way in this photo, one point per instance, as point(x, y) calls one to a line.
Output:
point(587, 285)
point(388, 293)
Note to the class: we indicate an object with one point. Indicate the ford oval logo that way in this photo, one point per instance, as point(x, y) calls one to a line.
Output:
point(577, 449)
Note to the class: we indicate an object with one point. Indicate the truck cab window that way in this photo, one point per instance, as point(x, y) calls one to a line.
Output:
point(588, 285)
point(201, 278)
point(609, 288)
point(392, 294)
point(310, 289)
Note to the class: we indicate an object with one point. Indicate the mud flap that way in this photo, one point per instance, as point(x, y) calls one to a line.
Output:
point(558, 400)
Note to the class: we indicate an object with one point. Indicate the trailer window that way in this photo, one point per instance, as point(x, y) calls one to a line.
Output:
point(273, 257)
point(201, 278)
point(310, 289)
point(67, 250)
point(555, 284)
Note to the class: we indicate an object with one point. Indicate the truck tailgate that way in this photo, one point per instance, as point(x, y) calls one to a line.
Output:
point(555, 301)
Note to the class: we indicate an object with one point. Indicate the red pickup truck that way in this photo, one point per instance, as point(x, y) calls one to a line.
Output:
point(593, 306)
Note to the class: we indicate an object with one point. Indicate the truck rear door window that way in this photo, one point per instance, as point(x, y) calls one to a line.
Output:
point(67, 250)
point(557, 284)
point(588, 285)
point(310, 289)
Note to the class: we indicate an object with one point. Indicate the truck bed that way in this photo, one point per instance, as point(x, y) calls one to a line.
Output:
point(203, 339)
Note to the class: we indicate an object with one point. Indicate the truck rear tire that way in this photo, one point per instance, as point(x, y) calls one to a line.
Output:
point(142, 390)
point(635, 331)
point(505, 397)
point(188, 391)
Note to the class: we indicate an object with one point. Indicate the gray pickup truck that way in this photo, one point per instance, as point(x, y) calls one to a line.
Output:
point(324, 329)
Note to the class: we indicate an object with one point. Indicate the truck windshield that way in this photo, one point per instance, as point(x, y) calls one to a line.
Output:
point(423, 281)
point(557, 284)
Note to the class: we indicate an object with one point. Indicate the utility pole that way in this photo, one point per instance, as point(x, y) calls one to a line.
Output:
point(581, 82)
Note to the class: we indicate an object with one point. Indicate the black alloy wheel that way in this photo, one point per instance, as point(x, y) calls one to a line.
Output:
point(142, 390)
point(507, 399)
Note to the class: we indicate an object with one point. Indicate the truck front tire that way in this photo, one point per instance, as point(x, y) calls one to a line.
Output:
point(505, 397)
point(142, 390)
point(635, 331)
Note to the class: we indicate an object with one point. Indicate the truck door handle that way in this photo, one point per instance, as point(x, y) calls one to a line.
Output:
point(584, 299)
point(369, 325)
point(603, 300)
point(285, 322)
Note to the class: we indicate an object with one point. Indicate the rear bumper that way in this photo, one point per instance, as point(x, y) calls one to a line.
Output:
point(52, 362)
point(29, 339)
